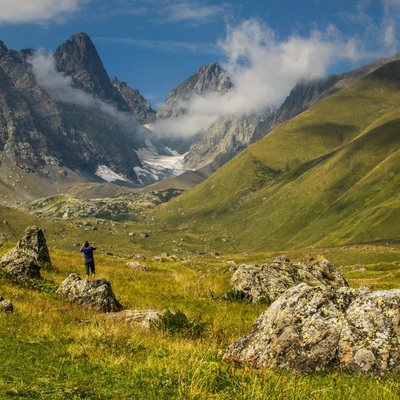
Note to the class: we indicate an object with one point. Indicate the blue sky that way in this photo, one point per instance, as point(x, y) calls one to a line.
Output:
point(154, 45)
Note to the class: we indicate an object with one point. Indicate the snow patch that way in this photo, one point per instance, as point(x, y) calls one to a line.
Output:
point(108, 174)
point(157, 167)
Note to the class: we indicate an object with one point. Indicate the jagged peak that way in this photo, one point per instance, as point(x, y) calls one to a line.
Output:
point(3, 48)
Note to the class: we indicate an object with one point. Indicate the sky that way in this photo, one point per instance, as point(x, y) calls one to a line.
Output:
point(265, 46)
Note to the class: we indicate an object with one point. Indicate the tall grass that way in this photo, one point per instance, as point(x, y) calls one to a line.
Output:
point(51, 349)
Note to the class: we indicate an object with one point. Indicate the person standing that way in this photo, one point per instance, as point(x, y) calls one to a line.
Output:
point(87, 249)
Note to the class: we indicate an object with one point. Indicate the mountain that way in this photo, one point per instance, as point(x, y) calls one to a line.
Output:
point(63, 121)
point(140, 107)
point(229, 135)
point(329, 176)
point(78, 58)
point(66, 123)
point(226, 137)
point(207, 79)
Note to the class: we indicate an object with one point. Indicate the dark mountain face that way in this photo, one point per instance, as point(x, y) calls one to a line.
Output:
point(87, 121)
point(40, 132)
point(140, 107)
point(78, 58)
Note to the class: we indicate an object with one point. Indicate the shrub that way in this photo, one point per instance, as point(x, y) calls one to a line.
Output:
point(237, 296)
point(177, 323)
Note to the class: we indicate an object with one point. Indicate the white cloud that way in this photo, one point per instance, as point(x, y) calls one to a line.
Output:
point(60, 88)
point(19, 11)
point(191, 11)
point(164, 45)
point(56, 84)
point(390, 24)
point(263, 71)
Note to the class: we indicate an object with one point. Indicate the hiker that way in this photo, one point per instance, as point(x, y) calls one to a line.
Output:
point(87, 249)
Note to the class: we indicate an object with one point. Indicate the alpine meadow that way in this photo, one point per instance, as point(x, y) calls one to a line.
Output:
point(317, 197)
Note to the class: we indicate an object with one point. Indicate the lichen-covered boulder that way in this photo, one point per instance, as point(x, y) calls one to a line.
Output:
point(370, 341)
point(24, 261)
point(136, 265)
point(19, 266)
point(319, 328)
point(34, 244)
point(268, 281)
point(299, 331)
point(96, 294)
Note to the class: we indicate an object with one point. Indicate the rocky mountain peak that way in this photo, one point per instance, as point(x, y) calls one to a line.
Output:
point(3, 48)
point(78, 58)
point(136, 102)
point(207, 79)
point(211, 79)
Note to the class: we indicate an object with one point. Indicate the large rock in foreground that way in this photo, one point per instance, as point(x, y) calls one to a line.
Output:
point(319, 328)
point(24, 261)
point(268, 281)
point(96, 294)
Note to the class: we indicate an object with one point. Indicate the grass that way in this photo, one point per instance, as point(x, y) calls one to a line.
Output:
point(51, 349)
point(324, 185)
point(328, 176)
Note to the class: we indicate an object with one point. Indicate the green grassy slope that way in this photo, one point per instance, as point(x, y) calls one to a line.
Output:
point(327, 177)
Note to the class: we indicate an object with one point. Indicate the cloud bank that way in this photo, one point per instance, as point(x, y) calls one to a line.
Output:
point(19, 11)
point(263, 70)
point(60, 88)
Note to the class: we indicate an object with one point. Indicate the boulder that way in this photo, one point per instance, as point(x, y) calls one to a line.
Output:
point(19, 266)
point(24, 261)
point(320, 328)
point(145, 318)
point(268, 281)
point(34, 245)
point(96, 294)
point(299, 331)
point(6, 306)
point(137, 266)
point(370, 340)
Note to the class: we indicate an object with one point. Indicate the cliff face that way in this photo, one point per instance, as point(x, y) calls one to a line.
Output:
point(78, 58)
point(207, 79)
point(84, 126)
point(140, 107)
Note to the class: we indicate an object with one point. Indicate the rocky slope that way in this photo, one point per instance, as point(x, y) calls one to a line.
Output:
point(60, 123)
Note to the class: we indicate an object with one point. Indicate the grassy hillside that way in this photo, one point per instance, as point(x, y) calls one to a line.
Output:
point(327, 177)
point(51, 349)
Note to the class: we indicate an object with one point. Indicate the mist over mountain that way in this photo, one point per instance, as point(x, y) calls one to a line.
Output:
point(327, 177)
point(64, 121)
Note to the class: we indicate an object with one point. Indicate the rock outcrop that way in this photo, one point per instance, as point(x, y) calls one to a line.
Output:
point(145, 318)
point(24, 261)
point(34, 244)
point(6, 306)
point(268, 281)
point(320, 328)
point(95, 294)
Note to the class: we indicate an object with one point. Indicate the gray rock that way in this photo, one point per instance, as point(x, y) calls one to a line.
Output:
point(24, 261)
point(145, 318)
point(6, 306)
point(300, 331)
point(137, 266)
point(370, 341)
point(318, 328)
point(96, 294)
point(34, 244)
point(269, 281)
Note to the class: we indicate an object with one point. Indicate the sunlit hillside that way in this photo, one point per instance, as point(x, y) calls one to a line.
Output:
point(327, 177)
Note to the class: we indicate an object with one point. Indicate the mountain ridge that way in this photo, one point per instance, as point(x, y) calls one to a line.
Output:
point(314, 180)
